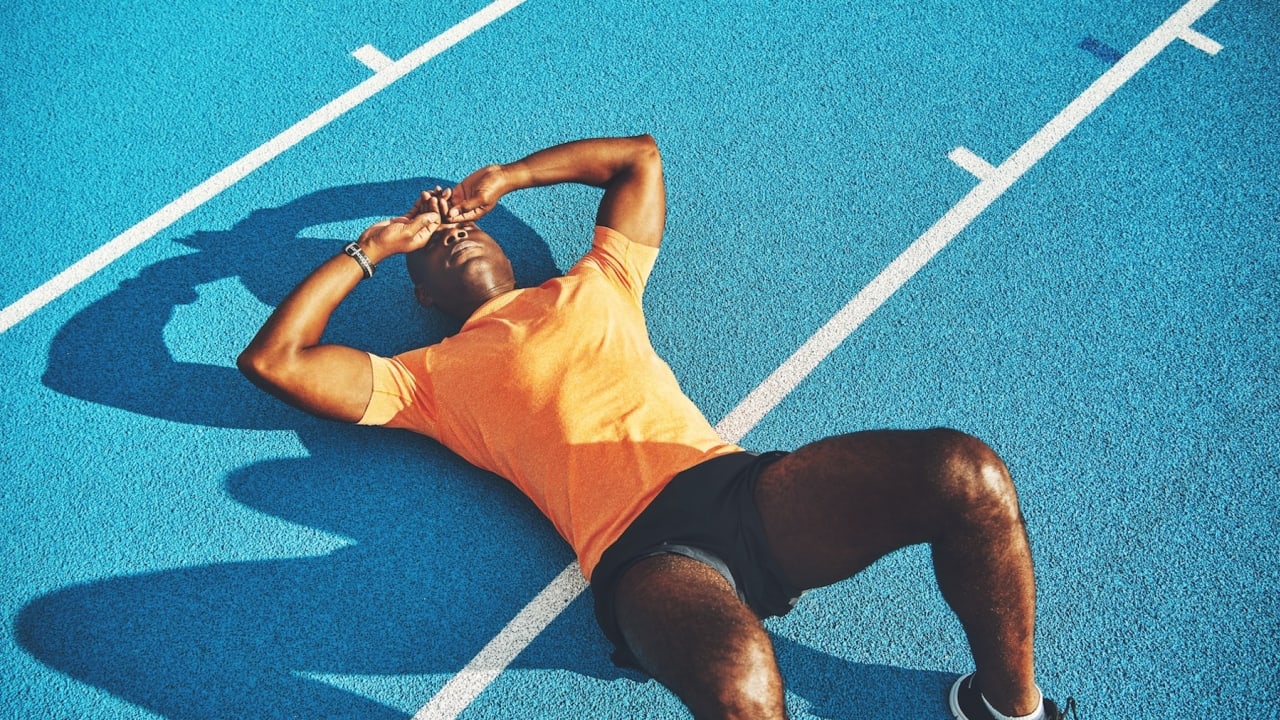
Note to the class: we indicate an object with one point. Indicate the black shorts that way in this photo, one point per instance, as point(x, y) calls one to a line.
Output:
point(707, 513)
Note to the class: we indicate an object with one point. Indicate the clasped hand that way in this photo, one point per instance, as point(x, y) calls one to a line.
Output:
point(476, 195)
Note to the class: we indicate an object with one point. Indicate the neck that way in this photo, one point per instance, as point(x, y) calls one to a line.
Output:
point(481, 297)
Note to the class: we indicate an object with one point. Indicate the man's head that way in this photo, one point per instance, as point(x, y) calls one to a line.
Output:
point(459, 269)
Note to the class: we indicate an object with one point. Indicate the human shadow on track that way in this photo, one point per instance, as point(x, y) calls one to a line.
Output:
point(431, 574)
point(838, 688)
point(113, 352)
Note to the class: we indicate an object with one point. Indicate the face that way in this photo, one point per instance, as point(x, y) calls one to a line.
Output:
point(459, 269)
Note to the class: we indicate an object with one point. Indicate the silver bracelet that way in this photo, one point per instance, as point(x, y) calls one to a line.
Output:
point(353, 250)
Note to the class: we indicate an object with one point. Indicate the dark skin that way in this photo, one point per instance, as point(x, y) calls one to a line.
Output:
point(830, 509)
point(287, 358)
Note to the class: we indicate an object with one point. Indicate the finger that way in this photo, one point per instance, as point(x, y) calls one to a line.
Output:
point(440, 206)
point(466, 211)
point(421, 205)
point(431, 218)
point(423, 226)
point(425, 200)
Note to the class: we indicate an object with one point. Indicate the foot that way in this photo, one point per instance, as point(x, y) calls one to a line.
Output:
point(967, 704)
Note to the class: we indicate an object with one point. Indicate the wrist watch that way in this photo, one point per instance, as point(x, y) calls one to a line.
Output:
point(356, 253)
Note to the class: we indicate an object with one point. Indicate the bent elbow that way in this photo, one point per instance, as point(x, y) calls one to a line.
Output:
point(267, 371)
point(647, 150)
point(247, 363)
point(256, 365)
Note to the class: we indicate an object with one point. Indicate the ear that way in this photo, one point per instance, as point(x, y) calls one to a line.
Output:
point(425, 300)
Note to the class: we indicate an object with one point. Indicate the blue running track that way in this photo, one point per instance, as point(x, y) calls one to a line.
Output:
point(174, 544)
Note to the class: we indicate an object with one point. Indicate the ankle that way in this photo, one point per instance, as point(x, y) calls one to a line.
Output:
point(1036, 711)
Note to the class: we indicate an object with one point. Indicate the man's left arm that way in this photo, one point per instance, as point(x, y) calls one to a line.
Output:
point(629, 169)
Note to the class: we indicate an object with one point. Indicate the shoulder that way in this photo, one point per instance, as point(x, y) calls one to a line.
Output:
point(401, 394)
point(623, 261)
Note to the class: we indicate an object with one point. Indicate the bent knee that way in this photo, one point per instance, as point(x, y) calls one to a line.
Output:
point(749, 690)
point(971, 477)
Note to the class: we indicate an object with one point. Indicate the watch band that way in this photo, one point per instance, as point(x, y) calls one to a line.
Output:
point(353, 250)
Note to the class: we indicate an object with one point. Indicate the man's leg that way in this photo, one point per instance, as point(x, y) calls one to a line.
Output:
point(690, 631)
point(834, 507)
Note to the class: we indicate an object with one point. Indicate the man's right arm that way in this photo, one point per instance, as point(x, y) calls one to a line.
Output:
point(287, 358)
point(629, 169)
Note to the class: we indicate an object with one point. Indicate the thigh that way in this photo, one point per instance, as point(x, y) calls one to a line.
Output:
point(688, 629)
point(834, 507)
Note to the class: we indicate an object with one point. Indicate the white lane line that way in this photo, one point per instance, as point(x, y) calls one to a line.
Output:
point(372, 58)
point(458, 693)
point(463, 688)
point(1201, 41)
point(796, 368)
point(233, 173)
point(965, 158)
point(540, 612)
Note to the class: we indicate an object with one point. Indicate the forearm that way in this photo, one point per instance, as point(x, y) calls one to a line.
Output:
point(287, 360)
point(597, 162)
point(286, 357)
point(300, 320)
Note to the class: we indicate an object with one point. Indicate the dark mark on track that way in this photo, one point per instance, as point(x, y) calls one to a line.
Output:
point(1101, 50)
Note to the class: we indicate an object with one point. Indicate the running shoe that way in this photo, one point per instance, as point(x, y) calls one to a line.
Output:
point(966, 703)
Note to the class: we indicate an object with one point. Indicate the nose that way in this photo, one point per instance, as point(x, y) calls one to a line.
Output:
point(455, 235)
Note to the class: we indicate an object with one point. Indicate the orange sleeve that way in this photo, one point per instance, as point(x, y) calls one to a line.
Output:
point(399, 399)
point(626, 263)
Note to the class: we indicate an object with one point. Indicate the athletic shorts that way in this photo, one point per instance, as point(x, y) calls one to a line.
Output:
point(707, 513)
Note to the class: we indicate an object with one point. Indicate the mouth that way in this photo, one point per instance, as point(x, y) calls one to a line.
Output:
point(463, 250)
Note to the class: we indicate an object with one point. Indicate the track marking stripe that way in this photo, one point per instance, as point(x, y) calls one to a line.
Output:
point(95, 261)
point(965, 158)
point(462, 688)
point(788, 375)
point(372, 58)
point(454, 697)
point(1201, 41)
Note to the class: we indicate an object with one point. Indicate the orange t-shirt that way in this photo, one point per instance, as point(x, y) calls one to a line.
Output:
point(558, 389)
